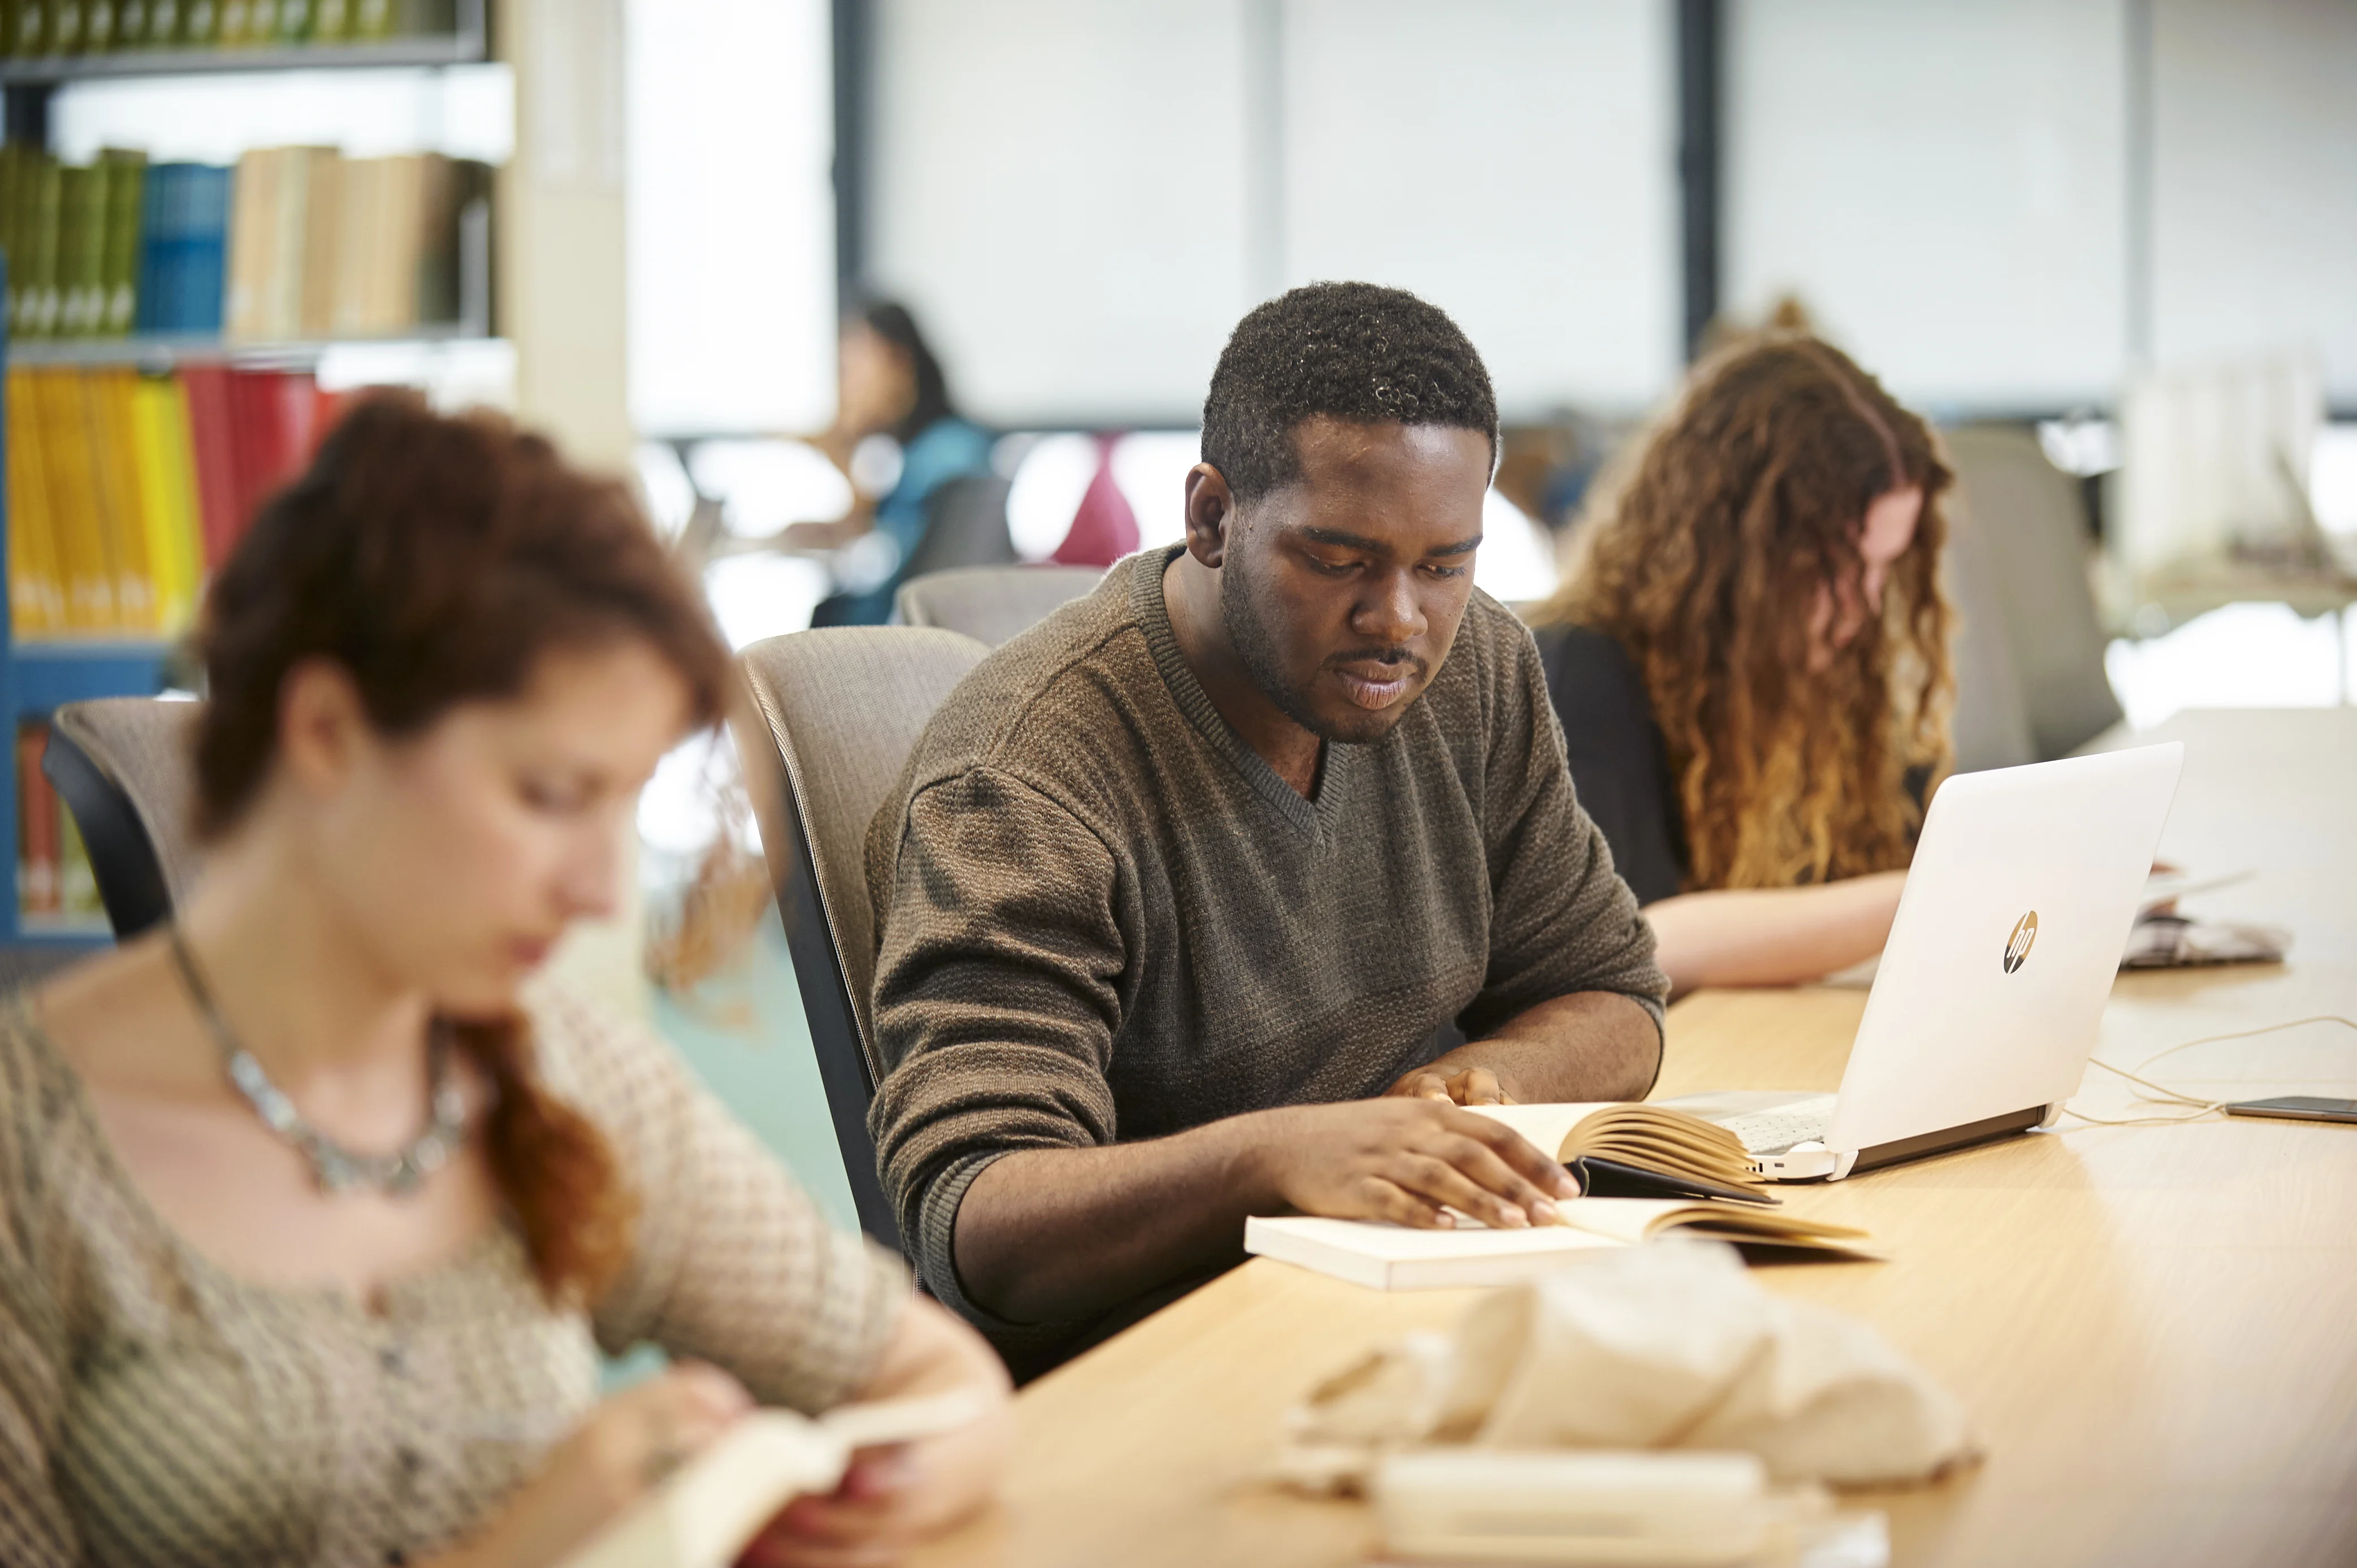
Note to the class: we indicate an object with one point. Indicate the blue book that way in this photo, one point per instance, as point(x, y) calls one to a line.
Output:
point(184, 244)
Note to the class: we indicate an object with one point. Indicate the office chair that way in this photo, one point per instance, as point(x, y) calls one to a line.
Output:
point(840, 710)
point(122, 766)
point(966, 525)
point(1990, 726)
point(2031, 519)
point(992, 604)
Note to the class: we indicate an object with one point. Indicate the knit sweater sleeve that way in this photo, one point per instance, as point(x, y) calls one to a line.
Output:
point(1562, 919)
point(998, 991)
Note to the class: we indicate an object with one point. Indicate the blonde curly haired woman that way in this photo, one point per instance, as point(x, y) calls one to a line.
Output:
point(1750, 658)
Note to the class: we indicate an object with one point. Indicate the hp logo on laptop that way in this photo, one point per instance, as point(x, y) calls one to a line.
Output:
point(2018, 946)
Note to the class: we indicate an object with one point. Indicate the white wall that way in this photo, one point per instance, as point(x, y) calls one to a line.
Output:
point(1945, 184)
point(1066, 190)
point(1514, 161)
point(2255, 200)
point(1057, 196)
point(731, 215)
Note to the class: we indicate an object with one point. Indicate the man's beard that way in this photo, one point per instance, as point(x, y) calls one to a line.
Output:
point(1248, 633)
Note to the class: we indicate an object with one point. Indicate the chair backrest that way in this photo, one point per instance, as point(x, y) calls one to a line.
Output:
point(2031, 521)
point(993, 603)
point(966, 525)
point(1990, 726)
point(841, 708)
point(122, 766)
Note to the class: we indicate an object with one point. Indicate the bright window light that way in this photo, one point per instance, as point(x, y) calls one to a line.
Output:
point(764, 596)
point(763, 485)
point(1151, 467)
point(2243, 656)
point(1517, 559)
point(467, 112)
point(1052, 473)
point(730, 230)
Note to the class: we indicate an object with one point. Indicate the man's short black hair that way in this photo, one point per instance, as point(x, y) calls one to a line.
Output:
point(1350, 350)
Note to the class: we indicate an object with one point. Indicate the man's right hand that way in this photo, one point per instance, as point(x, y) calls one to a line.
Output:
point(1403, 1159)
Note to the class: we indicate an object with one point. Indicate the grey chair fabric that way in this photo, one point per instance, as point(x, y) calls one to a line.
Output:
point(840, 710)
point(966, 525)
point(993, 603)
point(2031, 523)
point(122, 767)
point(1991, 725)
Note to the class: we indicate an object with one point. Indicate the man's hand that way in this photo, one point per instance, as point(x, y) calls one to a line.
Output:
point(1403, 1158)
point(1468, 1086)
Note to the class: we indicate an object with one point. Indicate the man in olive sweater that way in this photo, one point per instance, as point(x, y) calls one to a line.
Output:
point(1182, 887)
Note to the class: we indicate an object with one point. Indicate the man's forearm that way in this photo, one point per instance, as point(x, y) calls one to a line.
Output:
point(1047, 1235)
point(1591, 1044)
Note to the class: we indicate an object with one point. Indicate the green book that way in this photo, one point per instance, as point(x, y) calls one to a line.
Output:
point(331, 21)
point(12, 156)
point(97, 27)
point(11, 13)
point(65, 27)
point(82, 248)
point(30, 38)
point(37, 312)
point(126, 181)
point(372, 20)
point(296, 22)
point(234, 28)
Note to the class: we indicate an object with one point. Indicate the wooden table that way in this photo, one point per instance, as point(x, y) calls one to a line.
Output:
point(2154, 1328)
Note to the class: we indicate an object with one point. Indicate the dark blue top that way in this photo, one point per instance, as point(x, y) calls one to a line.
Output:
point(949, 449)
point(1620, 763)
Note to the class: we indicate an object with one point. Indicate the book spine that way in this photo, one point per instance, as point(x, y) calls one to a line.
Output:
point(126, 187)
point(106, 396)
point(38, 316)
point(213, 455)
point(36, 826)
point(158, 191)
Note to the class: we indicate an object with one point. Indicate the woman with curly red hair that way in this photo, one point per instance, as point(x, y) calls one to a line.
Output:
point(315, 1208)
point(1750, 658)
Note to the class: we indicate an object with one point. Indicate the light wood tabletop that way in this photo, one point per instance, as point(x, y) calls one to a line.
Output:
point(2154, 1328)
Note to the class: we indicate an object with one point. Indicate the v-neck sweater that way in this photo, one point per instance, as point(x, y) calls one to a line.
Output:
point(1102, 916)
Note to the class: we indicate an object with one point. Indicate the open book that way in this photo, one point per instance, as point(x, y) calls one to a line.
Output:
point(709, 1512)
point(1394, 1257)
point(1631, 1150)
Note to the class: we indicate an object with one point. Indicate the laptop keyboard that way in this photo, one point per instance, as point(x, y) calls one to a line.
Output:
point(1773, 1132)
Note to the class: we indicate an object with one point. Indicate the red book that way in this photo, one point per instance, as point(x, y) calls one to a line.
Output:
point(213, 434)
point(36, 825)
point(276, 424)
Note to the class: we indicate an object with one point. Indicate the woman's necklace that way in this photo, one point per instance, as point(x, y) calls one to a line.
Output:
point(337, 1168)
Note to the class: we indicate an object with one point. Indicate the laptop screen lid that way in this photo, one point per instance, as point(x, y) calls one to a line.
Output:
point(2017, 905)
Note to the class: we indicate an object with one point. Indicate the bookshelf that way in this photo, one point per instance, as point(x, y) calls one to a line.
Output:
point(42, 671)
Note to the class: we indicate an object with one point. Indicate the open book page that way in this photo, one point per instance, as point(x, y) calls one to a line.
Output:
point(1650, 1137)
point(1546, 1127)
point(1636, 1220)
point(707, 1513)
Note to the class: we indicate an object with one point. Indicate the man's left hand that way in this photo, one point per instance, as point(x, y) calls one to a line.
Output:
point(1472, 1086)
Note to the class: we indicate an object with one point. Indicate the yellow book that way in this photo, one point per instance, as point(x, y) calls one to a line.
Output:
point(167, 484)
point(74, 518)
point(105, 396)
point(36, 592)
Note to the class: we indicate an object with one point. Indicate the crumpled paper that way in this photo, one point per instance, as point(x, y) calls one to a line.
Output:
point(1666, 1346)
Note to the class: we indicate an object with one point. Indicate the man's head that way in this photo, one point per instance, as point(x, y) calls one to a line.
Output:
point(1347, 441)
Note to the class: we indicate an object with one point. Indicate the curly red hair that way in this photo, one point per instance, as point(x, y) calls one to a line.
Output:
point(1709, 545)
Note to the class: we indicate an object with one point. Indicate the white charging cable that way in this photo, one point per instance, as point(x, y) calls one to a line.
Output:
point(2198, 1107)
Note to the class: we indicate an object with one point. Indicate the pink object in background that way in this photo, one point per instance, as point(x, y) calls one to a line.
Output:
point(1104, 529)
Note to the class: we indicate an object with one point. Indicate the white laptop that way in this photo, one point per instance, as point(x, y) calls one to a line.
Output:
point(2024, 886)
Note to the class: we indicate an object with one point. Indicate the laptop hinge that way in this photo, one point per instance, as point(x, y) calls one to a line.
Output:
point(1979, 1132)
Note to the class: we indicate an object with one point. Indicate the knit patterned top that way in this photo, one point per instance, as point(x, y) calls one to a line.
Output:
point(154, 1409)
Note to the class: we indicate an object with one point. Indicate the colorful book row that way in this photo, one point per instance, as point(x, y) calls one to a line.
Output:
point(32, 28)
point(295, 243)
point(125, 489)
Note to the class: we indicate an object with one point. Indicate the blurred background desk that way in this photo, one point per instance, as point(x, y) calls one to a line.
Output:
point(2150, 1326)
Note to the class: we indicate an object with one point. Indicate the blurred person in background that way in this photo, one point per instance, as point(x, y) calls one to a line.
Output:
point(891, 385)
point(1749, 659)
point(315, 1208)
